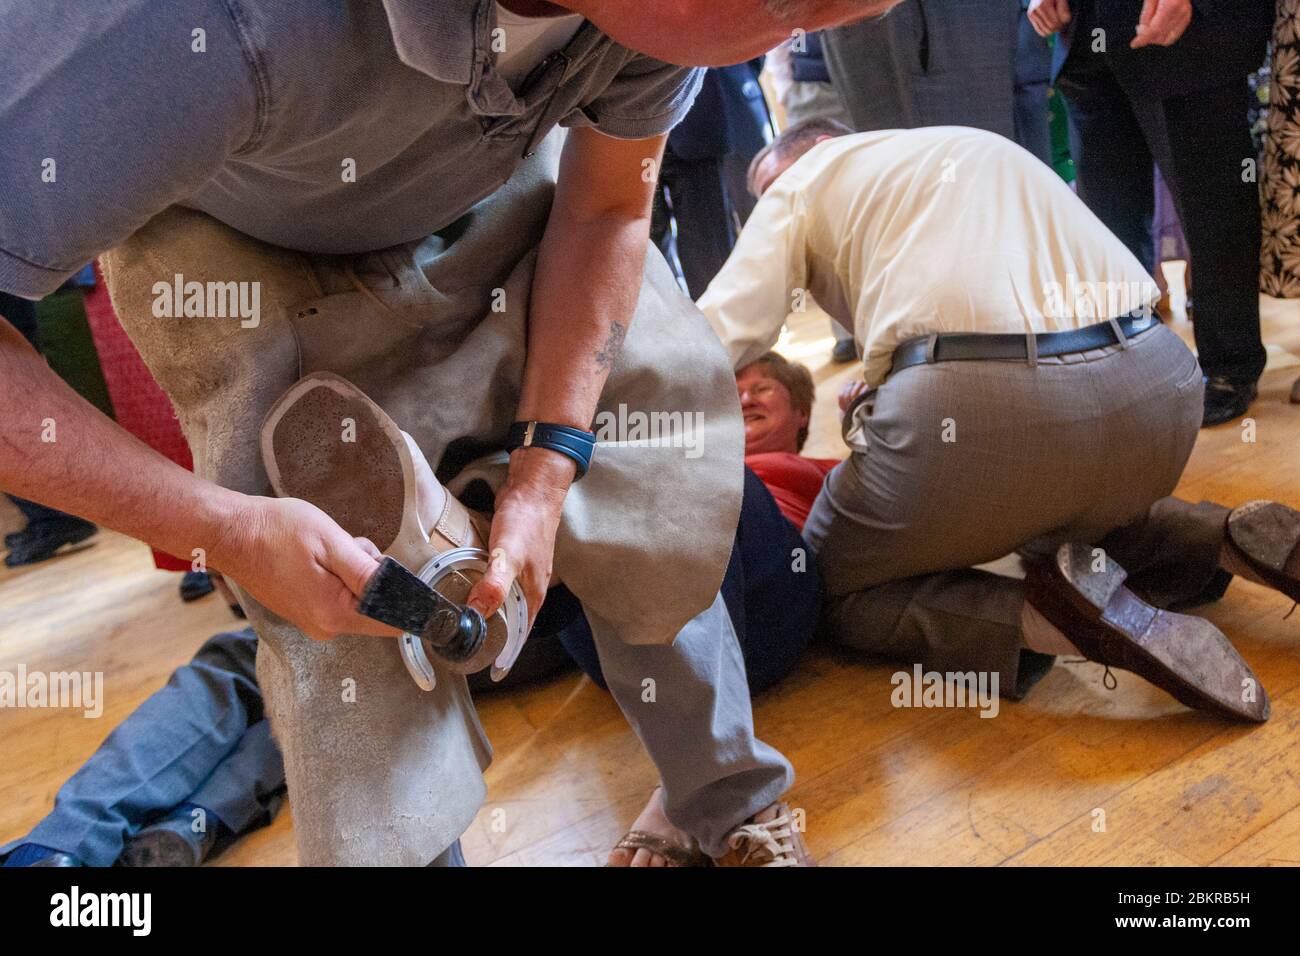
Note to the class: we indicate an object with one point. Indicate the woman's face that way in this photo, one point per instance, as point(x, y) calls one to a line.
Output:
point(771, 422)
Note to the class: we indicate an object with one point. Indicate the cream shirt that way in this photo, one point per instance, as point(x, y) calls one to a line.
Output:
point(901, 233)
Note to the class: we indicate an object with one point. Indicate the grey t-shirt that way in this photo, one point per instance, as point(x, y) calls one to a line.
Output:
point(327, 126)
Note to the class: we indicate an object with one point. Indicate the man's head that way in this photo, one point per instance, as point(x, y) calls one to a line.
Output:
point(717, 32)
point(776, 399)
point(780, 154)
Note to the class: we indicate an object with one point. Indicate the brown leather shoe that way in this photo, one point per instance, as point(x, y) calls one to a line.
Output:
point(768, 838)
point(1183, 655)
point(1266, 536)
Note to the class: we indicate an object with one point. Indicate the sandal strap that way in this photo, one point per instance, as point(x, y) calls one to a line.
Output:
point(674, 853)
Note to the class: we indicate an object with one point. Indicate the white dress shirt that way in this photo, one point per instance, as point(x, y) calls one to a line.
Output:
point(902, 233)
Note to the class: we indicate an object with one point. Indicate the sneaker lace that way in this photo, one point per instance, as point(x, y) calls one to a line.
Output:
point(775, 838)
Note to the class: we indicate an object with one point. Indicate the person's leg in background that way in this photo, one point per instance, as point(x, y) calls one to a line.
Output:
point(48, 532)
point(1201, 141)
point(1113, 162)
point(242, 794)
point(1033, 80)
point(706, 221)
point(154, 760)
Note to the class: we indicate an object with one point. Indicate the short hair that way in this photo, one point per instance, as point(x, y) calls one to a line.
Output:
point(798, 381)
point(794, 142)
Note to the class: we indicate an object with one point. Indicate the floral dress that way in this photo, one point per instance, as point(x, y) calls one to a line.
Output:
point(1280, 252)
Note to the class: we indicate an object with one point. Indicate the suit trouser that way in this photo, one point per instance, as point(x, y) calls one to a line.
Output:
point(1200, 141)
point(966, 462)
point(201, 739)
point(929, 63)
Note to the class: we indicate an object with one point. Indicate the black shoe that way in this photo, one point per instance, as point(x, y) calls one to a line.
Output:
point(845, 351)
point(46, 539)
point(14, 537)
point(1226, 399)
point(169, 842)
point(196, 584)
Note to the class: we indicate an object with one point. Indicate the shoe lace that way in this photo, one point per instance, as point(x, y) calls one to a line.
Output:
point(775, 838)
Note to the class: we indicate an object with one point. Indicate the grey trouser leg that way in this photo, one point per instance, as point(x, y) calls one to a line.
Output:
point(929, 63)
point(246, 788)
point(969, 619)
point(952, 621)
point(966, 462)
point(695, 722)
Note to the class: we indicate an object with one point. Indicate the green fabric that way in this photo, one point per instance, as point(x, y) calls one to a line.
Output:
point(67, 345)
point(1059, 118)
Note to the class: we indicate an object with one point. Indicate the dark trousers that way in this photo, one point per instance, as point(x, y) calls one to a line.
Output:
point(21, 314)
point(695, 195)
point(772, 590)
point(929, 63)
point(201, 739)
point(1200, 141)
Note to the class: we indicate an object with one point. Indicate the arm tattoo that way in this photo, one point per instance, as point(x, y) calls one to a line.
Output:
point(613, 345)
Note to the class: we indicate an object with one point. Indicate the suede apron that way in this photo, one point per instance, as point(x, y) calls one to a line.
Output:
point(380, 772)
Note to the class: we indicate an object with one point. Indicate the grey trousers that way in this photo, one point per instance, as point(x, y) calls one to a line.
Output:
point(929, 63)
point(689, 704)
point(966, 462)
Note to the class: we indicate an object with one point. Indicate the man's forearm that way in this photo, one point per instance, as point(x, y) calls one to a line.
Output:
point(587, 282)
point(59, 450)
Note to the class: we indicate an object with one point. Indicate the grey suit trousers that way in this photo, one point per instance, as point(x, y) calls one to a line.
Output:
point(966, 462)
point(929, 63)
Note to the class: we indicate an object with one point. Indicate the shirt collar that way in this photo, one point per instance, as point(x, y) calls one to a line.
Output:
point(440, 37)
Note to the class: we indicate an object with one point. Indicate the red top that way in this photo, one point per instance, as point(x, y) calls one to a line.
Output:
point(793, 480)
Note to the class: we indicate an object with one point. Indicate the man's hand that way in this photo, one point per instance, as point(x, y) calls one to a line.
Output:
point(850, 392)
point(1162, 22)
point(297, 562)
point(1049, 16)
point(522, 542)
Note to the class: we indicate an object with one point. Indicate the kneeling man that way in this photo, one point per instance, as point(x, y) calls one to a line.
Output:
point(1018, 396)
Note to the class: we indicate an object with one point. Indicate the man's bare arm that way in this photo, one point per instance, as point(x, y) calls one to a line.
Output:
point(58, 449)
point(585, 290)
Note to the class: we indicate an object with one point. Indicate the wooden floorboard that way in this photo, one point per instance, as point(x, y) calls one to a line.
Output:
point(879, 785)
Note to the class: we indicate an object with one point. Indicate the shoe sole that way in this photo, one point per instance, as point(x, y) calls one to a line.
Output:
point(367, 484)
point(1187, 657)
point(1266, 535)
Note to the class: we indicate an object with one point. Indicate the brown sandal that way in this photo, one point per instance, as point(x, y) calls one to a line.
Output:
point(674, 853)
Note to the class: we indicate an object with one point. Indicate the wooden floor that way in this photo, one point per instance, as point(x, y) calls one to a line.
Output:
point(879, 785)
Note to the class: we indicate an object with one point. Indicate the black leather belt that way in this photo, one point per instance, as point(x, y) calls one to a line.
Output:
point(980, 346)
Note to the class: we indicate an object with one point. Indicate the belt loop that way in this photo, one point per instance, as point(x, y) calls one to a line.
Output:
point(1120, 338)
point(931, 341)
point(1031, 348)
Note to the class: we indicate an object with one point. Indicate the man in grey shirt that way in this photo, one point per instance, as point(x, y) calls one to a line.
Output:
point(336, 129)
